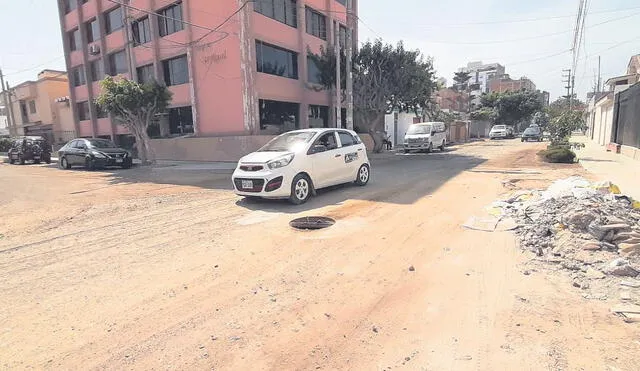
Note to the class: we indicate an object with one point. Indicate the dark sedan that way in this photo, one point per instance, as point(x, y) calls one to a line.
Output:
point(93, 154)
point(532, 133)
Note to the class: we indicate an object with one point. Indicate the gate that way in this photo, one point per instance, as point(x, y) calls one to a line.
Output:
point(626, 117)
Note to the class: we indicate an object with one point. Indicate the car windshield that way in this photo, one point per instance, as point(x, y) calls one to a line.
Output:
point(101, 143)
point(419, 129)
point(499, 127)
point(531, 131)
point(288, 142)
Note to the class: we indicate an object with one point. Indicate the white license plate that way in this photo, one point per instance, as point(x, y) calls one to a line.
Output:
point(118, 160)
point(247, 184)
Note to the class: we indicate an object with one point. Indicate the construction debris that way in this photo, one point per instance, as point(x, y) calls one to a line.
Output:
point(590, 230)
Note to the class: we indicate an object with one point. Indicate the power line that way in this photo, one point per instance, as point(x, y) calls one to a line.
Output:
point(35, 67)
point(531, 37)
point(523, 19)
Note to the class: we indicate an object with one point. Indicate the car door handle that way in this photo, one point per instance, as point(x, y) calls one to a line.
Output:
point(338, 155)
point(359, 149)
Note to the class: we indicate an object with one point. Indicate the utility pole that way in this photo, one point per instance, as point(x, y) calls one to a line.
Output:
point(348, 67)
point(569, 86)
point(5, 95)
point(336, 31)
point(599, 76)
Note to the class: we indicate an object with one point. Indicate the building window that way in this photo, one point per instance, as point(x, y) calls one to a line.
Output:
point(314, 75)
point(141, 31)
point(97, 72)
point(278, 117)
point(281, 10)
point(32, 106)
point(342, 36)
point(117, 63)
point(113, 20)
point(74, 39)
point(181, 120)
point(316, 23)
point(343, 2)
point(70, 5)
point(170, 19)
point(176, 71)
point(83, 111)
point(78, 77)
point(276, 61)
point(145, 74)
point(93, 30)
point(318, 116)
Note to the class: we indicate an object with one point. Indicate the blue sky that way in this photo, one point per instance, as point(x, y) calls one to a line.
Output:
point(448, 31)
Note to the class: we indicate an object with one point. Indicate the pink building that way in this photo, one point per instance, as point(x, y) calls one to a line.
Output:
point(235, 67)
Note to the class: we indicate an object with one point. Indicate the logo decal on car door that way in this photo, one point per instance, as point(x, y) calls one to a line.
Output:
point(350, 157)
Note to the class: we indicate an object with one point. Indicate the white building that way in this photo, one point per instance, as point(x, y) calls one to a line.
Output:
point(4, 122)
point(481, 74)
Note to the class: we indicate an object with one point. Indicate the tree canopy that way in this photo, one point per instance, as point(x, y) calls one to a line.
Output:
point(135, 106)
point(384, 77)
point(461, 79)
point(510, 108)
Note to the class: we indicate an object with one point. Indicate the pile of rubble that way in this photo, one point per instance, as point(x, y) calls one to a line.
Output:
point(588, 228)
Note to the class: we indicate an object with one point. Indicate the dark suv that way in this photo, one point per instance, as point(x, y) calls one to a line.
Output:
point(25, 149)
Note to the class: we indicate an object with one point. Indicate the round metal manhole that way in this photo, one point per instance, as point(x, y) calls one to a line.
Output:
point(312, 223)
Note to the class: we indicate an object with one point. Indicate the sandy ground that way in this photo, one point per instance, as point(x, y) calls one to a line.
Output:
point(167, 269)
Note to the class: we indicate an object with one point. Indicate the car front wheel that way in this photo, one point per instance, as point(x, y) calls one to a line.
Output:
point(64, 163)
point(300, 189)
point(21, 159)
point(364, 173)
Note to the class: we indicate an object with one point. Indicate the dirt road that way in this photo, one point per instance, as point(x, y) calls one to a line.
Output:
point(167, 269)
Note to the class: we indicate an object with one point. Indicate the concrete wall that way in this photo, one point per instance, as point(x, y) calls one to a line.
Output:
point(631, 152)
point(603, 122)
point(223, 149)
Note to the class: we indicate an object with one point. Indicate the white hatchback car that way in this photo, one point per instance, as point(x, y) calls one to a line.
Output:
point(295, 164)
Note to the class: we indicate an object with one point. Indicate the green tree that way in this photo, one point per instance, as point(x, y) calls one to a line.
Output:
point(561, 126)
point(511, 108)
point(462, 80)
point(384, 77)
point(135, 106)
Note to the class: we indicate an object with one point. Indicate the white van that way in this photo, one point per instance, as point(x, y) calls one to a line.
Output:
point(425, 137)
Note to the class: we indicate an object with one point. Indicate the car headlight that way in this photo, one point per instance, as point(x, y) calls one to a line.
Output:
point(98, 154)
point(280, 161)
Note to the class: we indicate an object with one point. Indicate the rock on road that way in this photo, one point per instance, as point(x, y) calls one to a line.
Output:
point(166, 268)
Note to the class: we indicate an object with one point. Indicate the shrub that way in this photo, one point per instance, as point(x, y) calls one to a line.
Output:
point(561, 154)
point(5, 144)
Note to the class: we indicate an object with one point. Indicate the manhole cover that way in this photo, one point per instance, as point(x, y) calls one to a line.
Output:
point(312, 222)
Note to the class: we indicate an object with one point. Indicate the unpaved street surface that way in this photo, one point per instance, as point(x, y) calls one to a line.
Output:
point(165, 268)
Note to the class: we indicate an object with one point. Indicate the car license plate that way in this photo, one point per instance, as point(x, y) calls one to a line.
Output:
point(247, 184)
point(118, 160)
point(36, 157)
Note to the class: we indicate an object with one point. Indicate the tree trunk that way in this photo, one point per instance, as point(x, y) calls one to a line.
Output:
point(376, 130)
point(143, 145)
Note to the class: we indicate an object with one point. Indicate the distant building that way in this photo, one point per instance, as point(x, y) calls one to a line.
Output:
point(36, 110)
point(504, 84)
point(481, 74)
point(545, 98)
point(451, 100)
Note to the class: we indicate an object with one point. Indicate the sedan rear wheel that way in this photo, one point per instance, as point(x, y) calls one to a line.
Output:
point(364, 173)
point(300, 189)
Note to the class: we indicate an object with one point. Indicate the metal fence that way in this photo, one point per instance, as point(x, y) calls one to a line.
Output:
point(626, 117)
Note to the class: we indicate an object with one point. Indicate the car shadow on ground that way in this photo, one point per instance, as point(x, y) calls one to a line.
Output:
point(395, 179)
